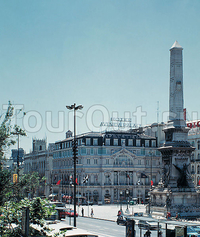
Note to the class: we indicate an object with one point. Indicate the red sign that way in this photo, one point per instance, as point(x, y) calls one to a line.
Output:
point(193, 124)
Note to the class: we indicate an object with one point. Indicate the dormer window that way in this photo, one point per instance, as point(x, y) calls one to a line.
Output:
point(123, 142)
point(115, 142)
point(137, 142)
point(107, 141)
point(95, 141)
point(130, 142)
point(153, 143)
point(88, 142)
point(146, 143)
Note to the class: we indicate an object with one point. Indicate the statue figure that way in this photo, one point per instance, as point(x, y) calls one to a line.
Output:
point(182, 180)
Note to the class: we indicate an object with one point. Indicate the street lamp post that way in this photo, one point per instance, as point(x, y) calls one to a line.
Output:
point(121, 200)
point(127, 195)
point(151, 154)
point(75, 153)
point(168, 201)
point(151, 182)
point(149, 194)
point(18, 131)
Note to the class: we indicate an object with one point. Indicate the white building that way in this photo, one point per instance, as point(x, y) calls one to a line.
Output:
point(113, 161)
point(40, 160)
point(194, 139)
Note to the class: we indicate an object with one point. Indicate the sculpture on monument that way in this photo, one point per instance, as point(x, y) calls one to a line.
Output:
point(182, 180)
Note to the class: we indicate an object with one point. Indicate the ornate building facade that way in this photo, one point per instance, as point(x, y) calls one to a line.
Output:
point(40, 160)
point(194, 139)
point(113, 162)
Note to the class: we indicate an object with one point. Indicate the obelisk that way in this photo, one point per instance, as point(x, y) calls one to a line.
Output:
point(176, 82)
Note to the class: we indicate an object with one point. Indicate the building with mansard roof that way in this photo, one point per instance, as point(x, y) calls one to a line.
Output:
point(113, 161)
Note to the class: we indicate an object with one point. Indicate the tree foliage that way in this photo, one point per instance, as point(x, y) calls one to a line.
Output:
point(30, 182)
point(6, 131)
point(11, 216)
point(7, 138)
point(12, 195)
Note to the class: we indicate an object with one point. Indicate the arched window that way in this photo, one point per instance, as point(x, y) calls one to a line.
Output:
point(198, 180)
point(198, 145)
point(192, 171)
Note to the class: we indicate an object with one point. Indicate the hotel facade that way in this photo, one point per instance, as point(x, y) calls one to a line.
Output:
point(119, 166)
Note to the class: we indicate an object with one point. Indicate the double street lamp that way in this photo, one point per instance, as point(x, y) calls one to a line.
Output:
point(75, 153)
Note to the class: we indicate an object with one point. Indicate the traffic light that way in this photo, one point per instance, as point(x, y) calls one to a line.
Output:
point(14, 178)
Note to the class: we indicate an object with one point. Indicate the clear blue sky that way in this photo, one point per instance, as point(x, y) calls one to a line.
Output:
point(108, 52)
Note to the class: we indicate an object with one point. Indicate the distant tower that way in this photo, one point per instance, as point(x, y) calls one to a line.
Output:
point(39, 145)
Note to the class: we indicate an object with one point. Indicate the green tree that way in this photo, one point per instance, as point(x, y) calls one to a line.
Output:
point(10, 210)
point(11, 213)
point(7, 138)
point(31, 182)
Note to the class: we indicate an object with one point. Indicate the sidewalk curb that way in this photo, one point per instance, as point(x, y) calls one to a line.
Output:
point(97, 218)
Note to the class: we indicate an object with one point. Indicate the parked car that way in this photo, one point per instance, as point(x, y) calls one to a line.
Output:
point(61, 212)
point(121, 220)
point(87, 203)
point(70, 213)
point(100, 203)
point(56, 204)
point(148, 225)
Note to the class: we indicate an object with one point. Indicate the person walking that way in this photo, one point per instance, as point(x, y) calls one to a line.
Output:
point(92, 212)
point(82, 211)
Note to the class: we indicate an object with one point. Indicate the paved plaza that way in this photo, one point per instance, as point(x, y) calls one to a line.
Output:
point(109, 212)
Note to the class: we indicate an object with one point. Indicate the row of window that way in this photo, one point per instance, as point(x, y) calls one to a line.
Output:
point(69, 163)
point(193, 169)
point(94, 141)
point(35, 166)
point(195, 159)
point(99, 151)
point(198, 144)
